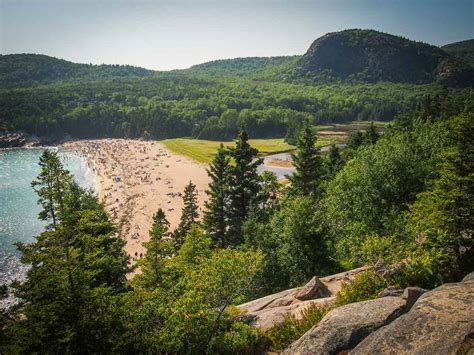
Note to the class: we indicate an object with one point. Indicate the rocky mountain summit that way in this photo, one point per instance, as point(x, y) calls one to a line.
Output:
point(373, 56)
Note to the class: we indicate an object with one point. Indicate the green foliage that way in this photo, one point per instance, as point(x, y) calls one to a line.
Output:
point(378, 184)
point(365, 286)
point(376, 56)
point(189, 214)
point(308, 164)
point(34, 69)
point(463, 50)
point(294, 241)
point(243, 186)
point(157, 250)
point(77, 272)
point(216, 215)
point(188, 311)
point(333, 162)
point(240, 338)
point(291, 329)
point(169, 105)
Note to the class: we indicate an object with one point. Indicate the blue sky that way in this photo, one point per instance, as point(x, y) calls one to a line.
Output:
point(177, 34)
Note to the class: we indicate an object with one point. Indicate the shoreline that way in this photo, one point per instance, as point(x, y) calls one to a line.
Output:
point(136, 177)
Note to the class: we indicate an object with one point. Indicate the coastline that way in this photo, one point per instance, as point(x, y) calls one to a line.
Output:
point(136, 177)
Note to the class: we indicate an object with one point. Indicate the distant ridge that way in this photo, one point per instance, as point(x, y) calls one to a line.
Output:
point(372, 56)
point(463, 50)
point(28, 69)
point(350, 56)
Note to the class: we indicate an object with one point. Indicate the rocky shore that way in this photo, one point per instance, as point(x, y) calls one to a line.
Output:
point(19, 139)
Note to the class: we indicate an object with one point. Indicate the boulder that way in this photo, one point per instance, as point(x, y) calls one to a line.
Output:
point(440, 322)
point(391, 291)
point(411, 295)
point(269, 317)
point(313, 289)
point(468, 277)
point(12, 139)
point(346, 326)
point(272, 309)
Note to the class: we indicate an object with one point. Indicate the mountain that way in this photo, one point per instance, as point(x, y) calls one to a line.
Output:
point(463, 50)
point(349, 56)
point(254, 67)
point(30, 69)
point(372, 56)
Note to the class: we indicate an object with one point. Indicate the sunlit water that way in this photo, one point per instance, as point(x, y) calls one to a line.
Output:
point(18, 203)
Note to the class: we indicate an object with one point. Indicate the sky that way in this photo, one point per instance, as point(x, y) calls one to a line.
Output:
point(166, 35)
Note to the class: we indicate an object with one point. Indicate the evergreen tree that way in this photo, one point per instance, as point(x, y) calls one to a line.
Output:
point(308, 164)
point(189, 214)
point(50, 186)
point(355, 140)
point(77, 270)
point(371, 134)
point(244, 185)
point(157, 249)
point(216, 214)
point(334, 161)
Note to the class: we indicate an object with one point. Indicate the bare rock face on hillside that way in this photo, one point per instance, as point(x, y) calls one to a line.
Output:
point(12, 139)
point(344, 327)
point(271, 310)
point(440, 322)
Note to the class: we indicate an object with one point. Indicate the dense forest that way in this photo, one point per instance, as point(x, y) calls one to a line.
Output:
point(32, 69)
point(401, 202)
point(463, 50)
point(272, 97)
point(175, 105)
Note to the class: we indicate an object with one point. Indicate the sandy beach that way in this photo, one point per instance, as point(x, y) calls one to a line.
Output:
point(135, 178)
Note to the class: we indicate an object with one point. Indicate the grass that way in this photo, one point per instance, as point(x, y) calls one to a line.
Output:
point(203, 151)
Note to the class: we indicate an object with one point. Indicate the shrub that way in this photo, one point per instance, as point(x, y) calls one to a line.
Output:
point(282, 335)
point(241, 338)
point(365, 286)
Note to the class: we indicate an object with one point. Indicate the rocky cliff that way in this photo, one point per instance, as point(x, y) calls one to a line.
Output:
point(440, 321)
point(373, 56)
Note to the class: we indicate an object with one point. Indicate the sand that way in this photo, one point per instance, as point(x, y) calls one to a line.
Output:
point(279, 163)
point(135, 178)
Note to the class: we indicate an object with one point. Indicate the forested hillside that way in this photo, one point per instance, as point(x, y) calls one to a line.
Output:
point(31, 69)
point(344, 76)
point(176, 105)
point(400, 203)
point(463, 50)
point(252, 67)
point(372, 56)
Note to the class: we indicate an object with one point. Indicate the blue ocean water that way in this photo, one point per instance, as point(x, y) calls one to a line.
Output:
point(18, 202)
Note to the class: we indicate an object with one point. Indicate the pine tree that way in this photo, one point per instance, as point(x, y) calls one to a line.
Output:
point(77, 270)
point(371, 134)
point(157, 250)
point(355, 140)
point(308, 164)
point(334, 161)
point(244, 185)
point(50, 186)
point(216, 214)
point(189, 214)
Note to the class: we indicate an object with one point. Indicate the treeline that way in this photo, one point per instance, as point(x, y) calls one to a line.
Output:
point(26, 70)
point(401, 202)
point(174, 105)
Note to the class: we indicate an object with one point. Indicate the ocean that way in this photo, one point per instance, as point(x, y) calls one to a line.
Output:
point(18, 202)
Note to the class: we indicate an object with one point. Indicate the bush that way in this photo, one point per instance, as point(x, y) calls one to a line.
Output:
point(427, 268)
point(366, 286)
point(241, 338)
point(282, 335)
